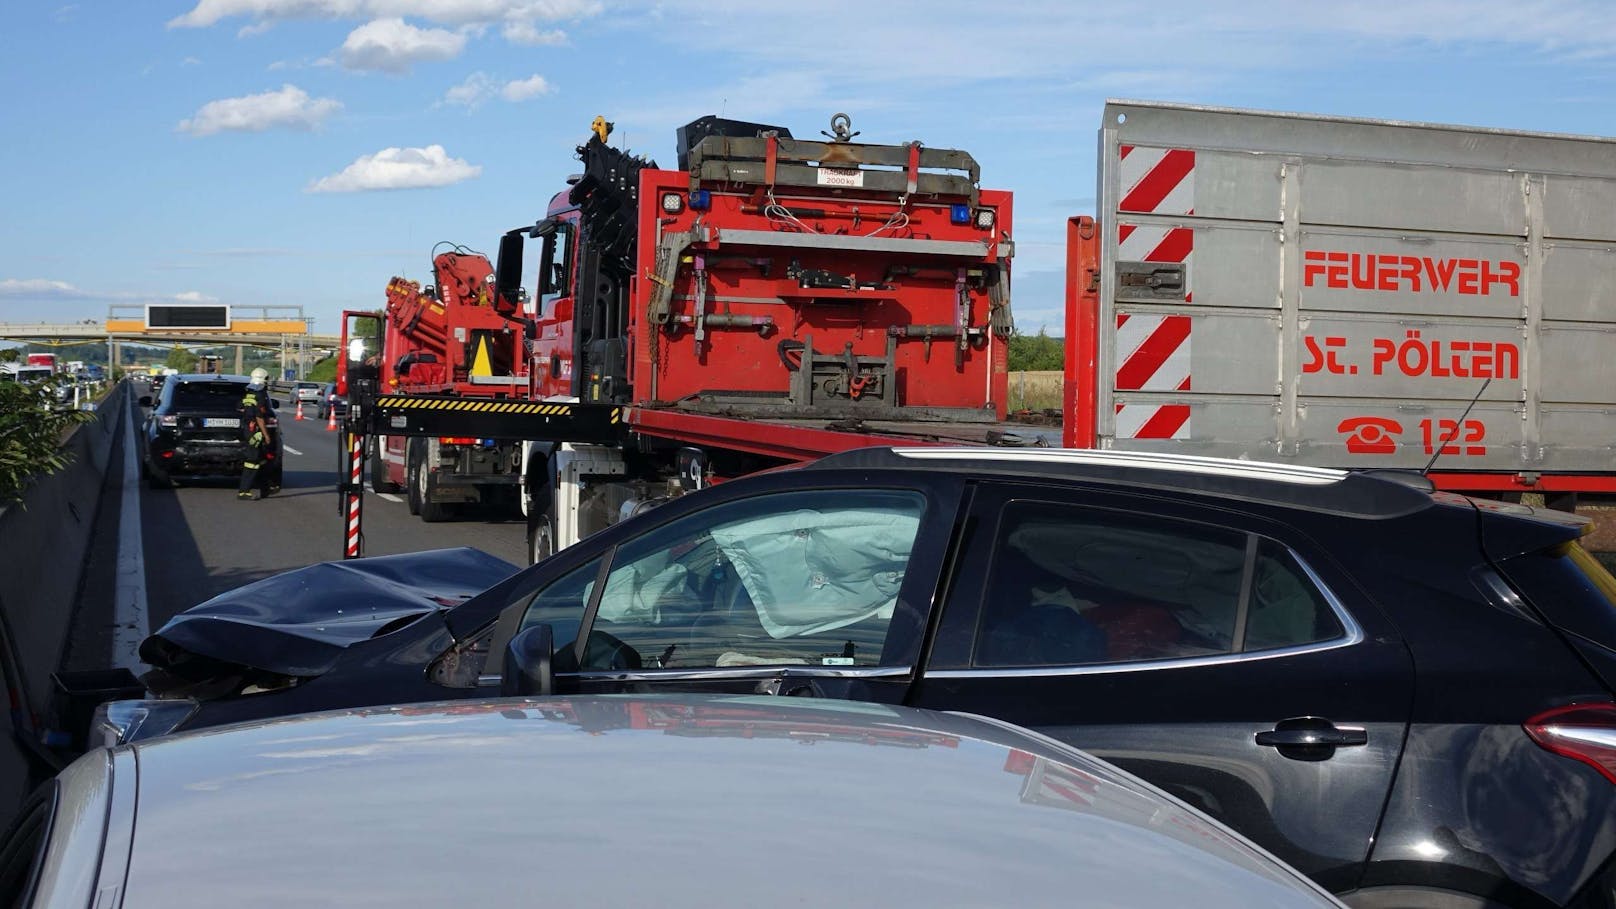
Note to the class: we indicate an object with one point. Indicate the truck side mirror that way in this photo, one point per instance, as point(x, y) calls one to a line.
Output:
point(145, 400)
point(508, 274)
point(527, 669)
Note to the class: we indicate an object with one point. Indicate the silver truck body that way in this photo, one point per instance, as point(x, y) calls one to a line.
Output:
point(1335, 292)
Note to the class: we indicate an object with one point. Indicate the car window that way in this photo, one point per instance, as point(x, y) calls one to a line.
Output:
point(1070, 585)
point(1286, 608)
point(213, 395)
point(561, 605)
point(801, 578)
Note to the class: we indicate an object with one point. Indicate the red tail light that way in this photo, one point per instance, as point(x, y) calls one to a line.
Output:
point(455, 440)
point(1582, 732)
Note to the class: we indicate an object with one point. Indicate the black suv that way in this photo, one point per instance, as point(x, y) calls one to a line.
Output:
point(194, 431)
point(1405, 694)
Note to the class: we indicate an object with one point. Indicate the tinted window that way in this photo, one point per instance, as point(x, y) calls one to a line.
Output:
point(1287, 609)
point(1570, 588)
point(208, 395)
point(804, 578)
point(1072, 586)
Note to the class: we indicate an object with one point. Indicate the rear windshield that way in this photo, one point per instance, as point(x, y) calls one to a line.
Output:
point(209, 395)
point(1570, 588)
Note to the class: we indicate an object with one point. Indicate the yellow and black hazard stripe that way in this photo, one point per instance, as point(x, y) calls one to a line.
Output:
point(471, 405)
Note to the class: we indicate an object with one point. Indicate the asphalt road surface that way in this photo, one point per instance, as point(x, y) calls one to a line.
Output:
point(200, 540)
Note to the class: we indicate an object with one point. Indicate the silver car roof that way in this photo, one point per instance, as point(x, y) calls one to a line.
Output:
point(667, 801)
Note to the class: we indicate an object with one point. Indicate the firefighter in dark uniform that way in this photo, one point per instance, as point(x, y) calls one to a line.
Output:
point(257, 438)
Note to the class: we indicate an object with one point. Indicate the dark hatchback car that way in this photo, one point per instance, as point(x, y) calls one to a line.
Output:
point(194, 431)
point(1405, 694)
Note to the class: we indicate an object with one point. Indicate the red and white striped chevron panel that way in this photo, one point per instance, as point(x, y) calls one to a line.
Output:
point(1153, 351)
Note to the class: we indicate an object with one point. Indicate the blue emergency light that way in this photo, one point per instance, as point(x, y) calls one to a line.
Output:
point(959, 213)
point(701, 199)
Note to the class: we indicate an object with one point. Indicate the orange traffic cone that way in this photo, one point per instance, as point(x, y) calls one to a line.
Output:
point(331, 420)
point(299, 415)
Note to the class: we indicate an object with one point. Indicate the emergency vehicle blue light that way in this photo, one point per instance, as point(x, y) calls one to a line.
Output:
point(701, 199)
point(960, 213)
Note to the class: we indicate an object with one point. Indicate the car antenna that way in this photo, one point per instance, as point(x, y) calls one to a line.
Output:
point(1454, 433)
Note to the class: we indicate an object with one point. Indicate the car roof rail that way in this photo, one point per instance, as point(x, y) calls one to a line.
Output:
point(1404, 476)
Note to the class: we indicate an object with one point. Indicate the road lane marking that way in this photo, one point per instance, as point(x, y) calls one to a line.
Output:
point(291, 450)
point(389, 497)
point(131, 621)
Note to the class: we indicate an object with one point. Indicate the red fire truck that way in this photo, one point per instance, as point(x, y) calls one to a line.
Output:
point(447, 339)
point(770, 300)
point(1340, 293)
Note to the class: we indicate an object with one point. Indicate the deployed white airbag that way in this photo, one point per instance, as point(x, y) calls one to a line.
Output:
point(814, 570)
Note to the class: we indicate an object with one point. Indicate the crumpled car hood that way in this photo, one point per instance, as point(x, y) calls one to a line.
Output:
point(298, 623)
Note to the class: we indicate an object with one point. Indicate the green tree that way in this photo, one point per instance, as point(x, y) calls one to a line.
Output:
point(31, 431)
point(10, 354)
point(323, 371)
point(1036, 352)
point(181, 359)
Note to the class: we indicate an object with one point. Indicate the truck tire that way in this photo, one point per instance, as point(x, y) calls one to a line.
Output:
point(412, 466)
point(378, 468)
point(431, 512)
point(540, 539)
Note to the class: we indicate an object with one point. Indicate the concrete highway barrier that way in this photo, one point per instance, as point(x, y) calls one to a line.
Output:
point(44, 541)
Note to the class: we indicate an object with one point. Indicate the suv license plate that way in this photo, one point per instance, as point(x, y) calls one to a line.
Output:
point(220, 422)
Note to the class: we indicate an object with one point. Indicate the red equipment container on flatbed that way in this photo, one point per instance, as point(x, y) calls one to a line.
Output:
point(774, 296)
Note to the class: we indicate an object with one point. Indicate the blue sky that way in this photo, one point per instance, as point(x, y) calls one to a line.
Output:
point(262, 152)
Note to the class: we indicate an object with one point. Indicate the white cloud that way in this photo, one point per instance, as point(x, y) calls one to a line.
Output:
point(257, 28)
point(291, 108)
point(477, 88)
point(191, 61)
point(45, 290)
point(40, 288)
point(1032, 39)
point(523, 89)
point(529, 33)
point(398, 168)
point(393, 46)
point(480, 87)
point(519, 20)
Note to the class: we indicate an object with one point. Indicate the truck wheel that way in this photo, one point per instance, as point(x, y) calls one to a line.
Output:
point(540, 540)
point(430, 511)
point(412, 467)
point(378, 469)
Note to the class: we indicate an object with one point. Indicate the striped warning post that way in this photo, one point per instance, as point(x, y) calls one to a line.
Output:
point(356, 462)
point(1153, 351)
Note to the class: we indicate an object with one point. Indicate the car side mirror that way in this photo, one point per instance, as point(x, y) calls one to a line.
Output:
point(145, 400)
point(528, 668)
point(508, 274)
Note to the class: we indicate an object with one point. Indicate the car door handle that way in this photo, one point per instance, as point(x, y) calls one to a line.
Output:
point(1308, 731)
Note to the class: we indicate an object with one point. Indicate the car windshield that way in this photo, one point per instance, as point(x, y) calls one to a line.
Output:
point(209, 395)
